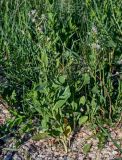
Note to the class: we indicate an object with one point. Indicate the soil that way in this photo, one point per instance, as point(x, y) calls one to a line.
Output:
point(86, 144)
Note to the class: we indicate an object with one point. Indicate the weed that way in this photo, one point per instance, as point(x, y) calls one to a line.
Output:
point(60, 61)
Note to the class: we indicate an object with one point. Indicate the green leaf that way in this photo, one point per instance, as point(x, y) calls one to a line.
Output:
point(111, 43)
point(66, 93)
point(38, 109)
point(82, 120)
point(86, 79)
point(63, 98)
point(82, 100)
point(102, 99)
point(50, 16)
point(10, 149)
point(67, 131)
point(44, 59)
point(13, 96)
point(95, 90)
point(74, 106)
point(60, 103)
point(44, 122)
point(40, 136)
point(62, 79)
point(40, 87)
point(93, 104)
point(86, 148)
point(102, 139)
point(55, 132)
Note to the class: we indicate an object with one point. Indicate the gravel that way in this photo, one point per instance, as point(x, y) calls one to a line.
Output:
point(42, 151)
point(51, 149)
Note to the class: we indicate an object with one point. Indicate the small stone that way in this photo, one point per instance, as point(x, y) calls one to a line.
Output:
point(107, 156)
point(92, 155)
point(114, 152)
point(95, 148)
point(113, 135)
point(65, 157)
point(84, 134)
point(119, 135)
point(80, 157)
point(41, 156)
point(53, 148)
point(60, 158)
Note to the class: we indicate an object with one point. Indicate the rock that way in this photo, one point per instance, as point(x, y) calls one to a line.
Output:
point(9, 156)
point(42, 150)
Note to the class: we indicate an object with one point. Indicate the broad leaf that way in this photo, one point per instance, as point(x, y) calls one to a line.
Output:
point(82, 100)
point(82, 120)
point(40, 87)
point(60, 103)
point(66, 94)
point(67, 131)
point(40, 136)
point(74, 106)
point(62, 79)
point(63, 98)
point(86, 79)
point(95, 90)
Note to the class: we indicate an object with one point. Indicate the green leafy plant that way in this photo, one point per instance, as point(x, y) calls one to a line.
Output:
point(60, 62)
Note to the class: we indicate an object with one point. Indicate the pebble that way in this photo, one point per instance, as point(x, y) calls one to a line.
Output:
point(80, 157)
point(113, 135)
point(114, 152)
point(92, 155)
point(44, 151)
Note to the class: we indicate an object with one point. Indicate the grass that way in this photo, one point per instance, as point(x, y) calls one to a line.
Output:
point(58, 62)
